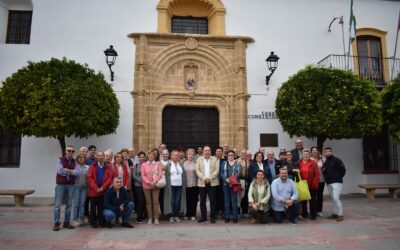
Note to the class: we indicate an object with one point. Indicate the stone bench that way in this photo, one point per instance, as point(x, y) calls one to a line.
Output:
point(370, 188)
point(19, 195)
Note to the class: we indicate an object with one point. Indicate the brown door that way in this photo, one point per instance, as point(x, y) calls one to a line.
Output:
point(190, 127)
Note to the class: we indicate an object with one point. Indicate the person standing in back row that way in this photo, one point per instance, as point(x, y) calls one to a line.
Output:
point(334, 173)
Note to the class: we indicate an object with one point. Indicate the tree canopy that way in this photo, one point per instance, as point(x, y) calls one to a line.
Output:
point(328, 103)
point(391, 108)
point(58, 98)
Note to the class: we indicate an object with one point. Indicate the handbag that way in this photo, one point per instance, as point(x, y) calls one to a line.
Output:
point(235, 185)
point(302, 189)
point(162, 182)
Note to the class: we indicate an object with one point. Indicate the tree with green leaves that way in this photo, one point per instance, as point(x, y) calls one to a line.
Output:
point(58, 98)
point(328, 103)
point(391, 108)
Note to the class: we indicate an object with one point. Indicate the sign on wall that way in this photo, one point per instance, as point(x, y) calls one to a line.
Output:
point(263, 115)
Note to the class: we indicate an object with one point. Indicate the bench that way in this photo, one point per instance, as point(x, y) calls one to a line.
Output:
point(370, 188)
point(19, 195)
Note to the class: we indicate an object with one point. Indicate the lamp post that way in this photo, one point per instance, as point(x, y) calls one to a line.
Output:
point(111, 55)
point(272, 62)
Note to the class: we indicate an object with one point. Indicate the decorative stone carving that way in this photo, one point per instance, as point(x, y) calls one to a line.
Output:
point(191, 76)
point(191, 43)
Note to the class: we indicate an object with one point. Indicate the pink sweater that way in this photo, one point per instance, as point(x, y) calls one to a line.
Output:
point(149, 173)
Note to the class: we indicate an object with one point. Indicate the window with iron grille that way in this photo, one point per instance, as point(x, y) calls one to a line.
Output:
point(19, 27)
point(10, 149)
point(194, 25)
point(380, 153)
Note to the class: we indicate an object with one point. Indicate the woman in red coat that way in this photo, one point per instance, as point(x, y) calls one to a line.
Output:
point(120, 169)
point(309, 171)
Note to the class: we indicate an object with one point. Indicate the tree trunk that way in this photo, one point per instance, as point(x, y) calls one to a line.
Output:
point(320, 143)
point(61, 140)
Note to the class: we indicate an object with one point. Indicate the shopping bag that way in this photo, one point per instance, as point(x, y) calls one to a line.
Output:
point(302, 189)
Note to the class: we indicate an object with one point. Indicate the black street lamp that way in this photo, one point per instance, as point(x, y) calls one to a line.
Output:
point(111, 55)
point(272, 62)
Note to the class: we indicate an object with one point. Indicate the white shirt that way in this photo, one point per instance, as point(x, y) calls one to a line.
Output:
point(260, 166)
point(207, 168)
point(121, 173)
point(176, 174)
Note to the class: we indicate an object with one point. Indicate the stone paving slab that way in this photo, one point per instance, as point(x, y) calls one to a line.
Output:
point(367, 225)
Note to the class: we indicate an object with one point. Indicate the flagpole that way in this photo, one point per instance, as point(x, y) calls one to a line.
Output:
point(395, 47)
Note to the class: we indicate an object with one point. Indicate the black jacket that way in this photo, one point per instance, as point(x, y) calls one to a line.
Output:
point(112, 202)
point(334, 170)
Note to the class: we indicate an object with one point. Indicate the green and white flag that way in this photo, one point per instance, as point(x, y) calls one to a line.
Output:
point(352, 28)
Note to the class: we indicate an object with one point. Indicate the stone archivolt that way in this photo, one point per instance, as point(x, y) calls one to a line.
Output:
point(217, 66)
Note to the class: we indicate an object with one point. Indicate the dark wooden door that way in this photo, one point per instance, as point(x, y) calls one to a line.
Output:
point(190, 127)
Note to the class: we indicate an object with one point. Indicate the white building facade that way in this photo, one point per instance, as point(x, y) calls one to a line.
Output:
point(297, 31)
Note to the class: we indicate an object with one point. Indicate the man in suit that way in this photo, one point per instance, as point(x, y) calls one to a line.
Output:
point(298, 151)
point(207, 171)
point(273, 165)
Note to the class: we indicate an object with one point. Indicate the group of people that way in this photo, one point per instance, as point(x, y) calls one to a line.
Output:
point(103, 186)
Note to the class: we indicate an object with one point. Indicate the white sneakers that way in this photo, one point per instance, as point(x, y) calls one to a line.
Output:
point(156, 222)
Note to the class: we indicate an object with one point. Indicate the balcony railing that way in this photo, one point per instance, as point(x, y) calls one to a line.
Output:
point(379, 70)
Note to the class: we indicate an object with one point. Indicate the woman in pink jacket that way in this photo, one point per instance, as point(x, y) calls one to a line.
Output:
point(151, 174)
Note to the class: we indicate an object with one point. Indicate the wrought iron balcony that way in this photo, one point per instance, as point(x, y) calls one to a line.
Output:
point(379, 70)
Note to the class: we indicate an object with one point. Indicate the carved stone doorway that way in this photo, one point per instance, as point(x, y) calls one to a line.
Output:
point(189, 127)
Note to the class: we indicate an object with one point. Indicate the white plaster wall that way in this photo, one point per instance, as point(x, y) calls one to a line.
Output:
point(3, 23)
point(81, 30)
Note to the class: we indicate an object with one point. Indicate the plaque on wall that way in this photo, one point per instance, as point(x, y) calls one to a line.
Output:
point(191, 76)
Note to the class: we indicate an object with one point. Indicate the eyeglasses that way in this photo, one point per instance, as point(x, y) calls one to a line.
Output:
point(231, 155)
point(70, 151)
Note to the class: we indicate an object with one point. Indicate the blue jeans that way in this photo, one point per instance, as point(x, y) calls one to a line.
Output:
point(279, 216)
point(230, 202)
point(78, 202)
point(60, 191)
point(176, 194)
point(110, 215)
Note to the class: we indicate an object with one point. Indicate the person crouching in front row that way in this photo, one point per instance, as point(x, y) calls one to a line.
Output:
point(284, 197)
point(259, 195)
point(117, 203)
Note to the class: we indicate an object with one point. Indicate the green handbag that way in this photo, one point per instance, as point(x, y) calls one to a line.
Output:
point(302, 189)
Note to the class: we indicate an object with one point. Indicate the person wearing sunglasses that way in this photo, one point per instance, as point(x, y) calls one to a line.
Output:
point(65, 179)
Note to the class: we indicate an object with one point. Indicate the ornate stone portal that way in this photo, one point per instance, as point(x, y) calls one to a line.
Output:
point(189, 71)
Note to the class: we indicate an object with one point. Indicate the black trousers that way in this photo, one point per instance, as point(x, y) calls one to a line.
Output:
point(138, 194)
point(192, 197)
point(320, 196)
point(96, 211)
point(210, 192)
point(219, 200)
point(161, 200)
point(313, 205)
point(244, 203)
point(87, 206)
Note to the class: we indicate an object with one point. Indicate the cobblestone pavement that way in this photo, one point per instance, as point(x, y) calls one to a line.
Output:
point(368, 224)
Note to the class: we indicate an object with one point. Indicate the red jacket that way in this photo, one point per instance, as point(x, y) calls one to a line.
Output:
point(309, 171)
point(125, 174)
point(92, 180)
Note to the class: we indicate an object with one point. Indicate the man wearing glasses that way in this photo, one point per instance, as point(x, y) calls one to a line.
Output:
point(65, 179)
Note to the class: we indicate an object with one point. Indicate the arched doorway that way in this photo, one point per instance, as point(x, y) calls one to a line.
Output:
point(190, 127)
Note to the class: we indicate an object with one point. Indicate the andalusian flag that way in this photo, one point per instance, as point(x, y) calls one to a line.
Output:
point(352, 28)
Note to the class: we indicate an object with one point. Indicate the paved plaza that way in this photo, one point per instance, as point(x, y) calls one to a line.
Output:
point(368, 224)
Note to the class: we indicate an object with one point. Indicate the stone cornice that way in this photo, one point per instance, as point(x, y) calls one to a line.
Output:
point(187, 35)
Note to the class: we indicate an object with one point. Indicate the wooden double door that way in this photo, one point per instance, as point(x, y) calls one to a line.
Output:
point(190, 127)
